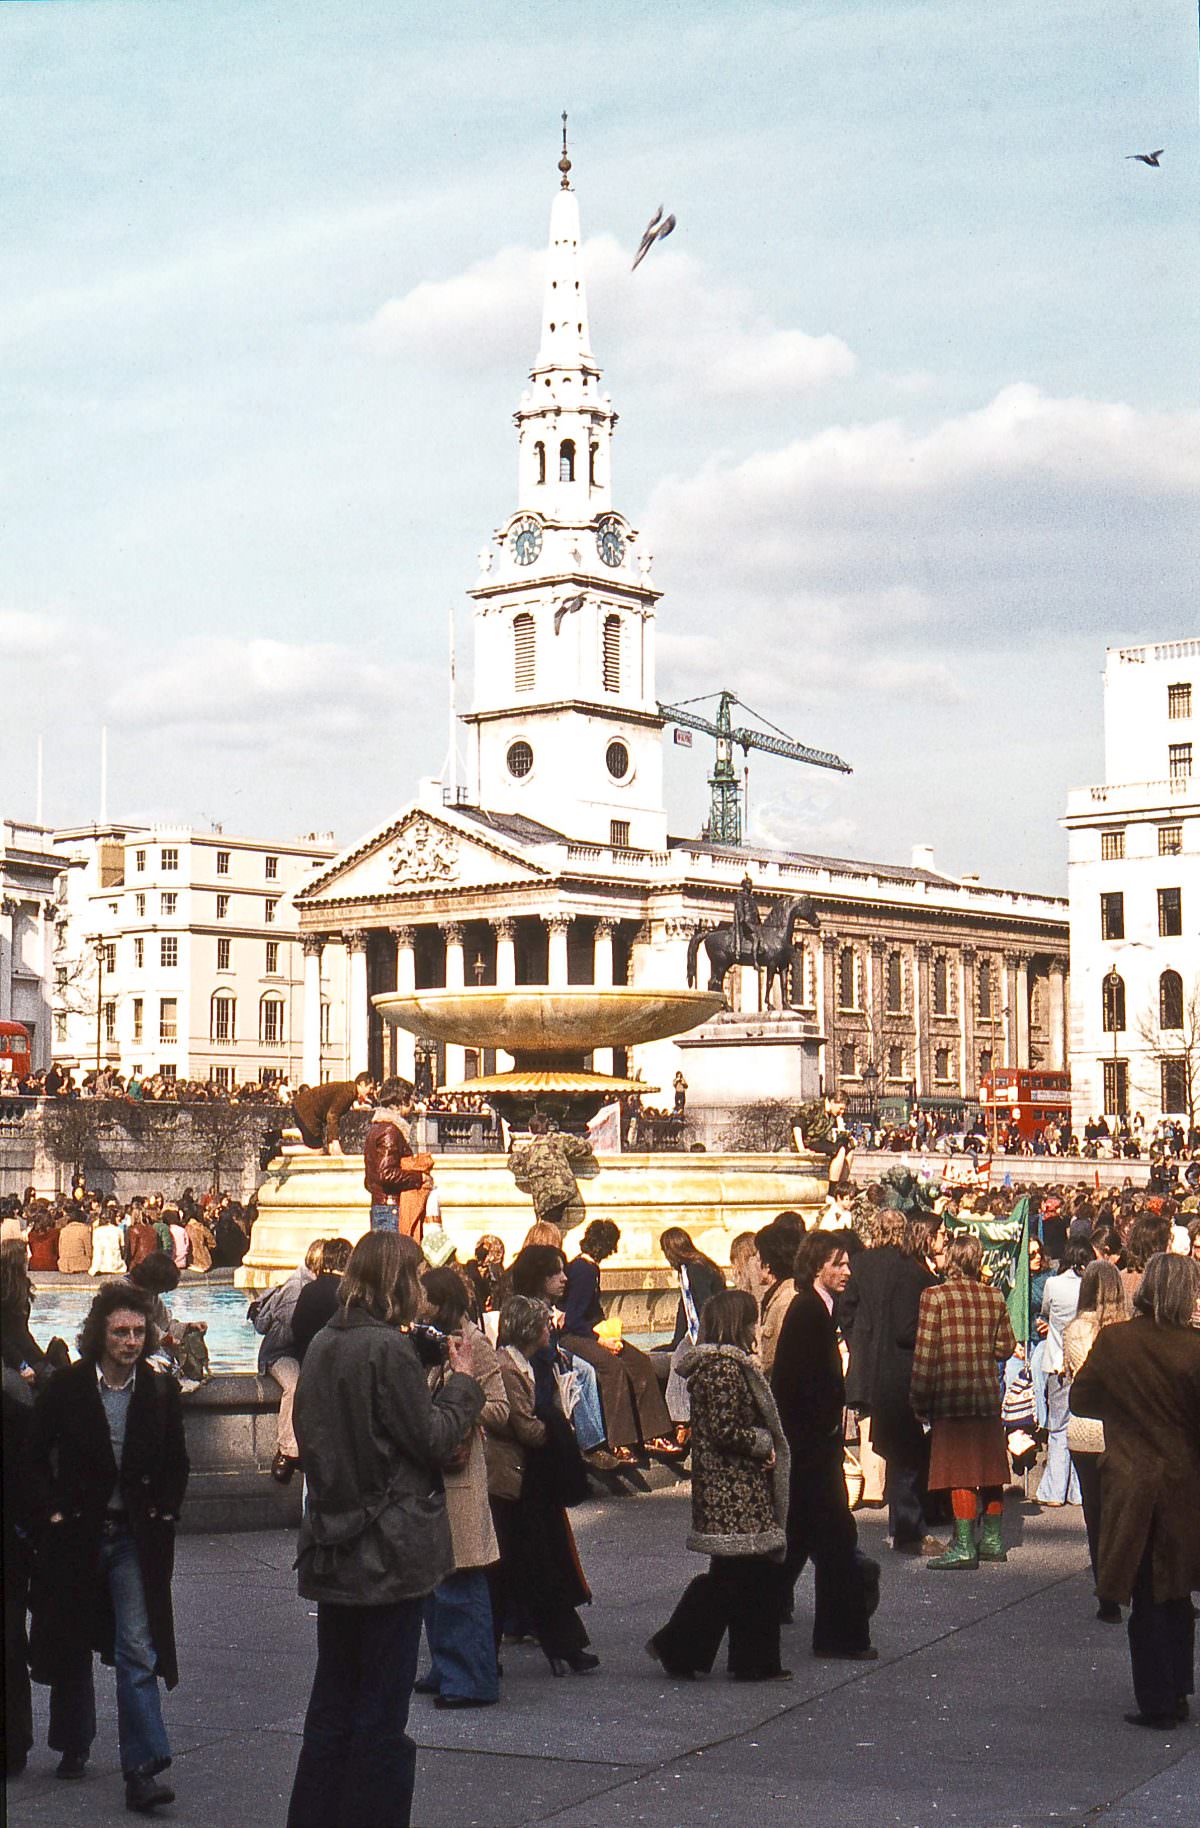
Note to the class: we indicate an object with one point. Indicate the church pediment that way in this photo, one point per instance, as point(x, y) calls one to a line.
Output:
point(418, 853)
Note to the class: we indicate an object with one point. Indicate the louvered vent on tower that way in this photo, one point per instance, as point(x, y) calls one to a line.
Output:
point(524, 653)
point(612, 653)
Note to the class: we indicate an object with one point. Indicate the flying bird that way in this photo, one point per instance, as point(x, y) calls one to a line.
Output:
point(565, 608)
point(1147, 158)
point(656, 230)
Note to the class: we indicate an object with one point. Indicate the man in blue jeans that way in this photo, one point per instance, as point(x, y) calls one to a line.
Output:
point(108, 1470)
point(389, 1166)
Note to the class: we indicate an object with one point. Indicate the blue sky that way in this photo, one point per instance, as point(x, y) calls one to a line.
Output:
point(909, 401)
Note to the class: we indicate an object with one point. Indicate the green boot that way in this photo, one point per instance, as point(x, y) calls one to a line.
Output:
point(962, 1552)
point(991, 1542)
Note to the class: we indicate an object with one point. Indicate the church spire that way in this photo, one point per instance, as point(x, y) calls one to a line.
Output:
point(565, 349)
point(564, 164)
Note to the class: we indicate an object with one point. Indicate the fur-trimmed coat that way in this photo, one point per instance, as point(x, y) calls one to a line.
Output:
point(739, 1498)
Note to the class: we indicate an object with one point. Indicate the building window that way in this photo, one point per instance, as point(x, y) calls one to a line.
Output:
point(139, 860)
point(1112, 845)
point(1170, 913)
point(138, 1017)
point(804, 978)
point(1116, 1088)
point(1174, 1086)
point(222, 863)
point(168, 953)
point(1179, 761)
point(1179, 704)
point(1170, 1000)
point(169, 902)
point(272, 869)
point(270, 1021)
point(168, 1019)
point(139, 953)
point(268, 1075)
point(846, 1060)
point(110, 1021)
point(1112, 916)
point(110, 956)
point(847, 981)
point(223, 1076)
point(326, 1024)
point(223, 1025)
point(618, 834)
point(60, 977)
point(895, 1062)
point(224, 955)
point(943, 1065)
point(272, 957)
point(612, 653)
point(941, 985)
point(168, 1070)
point(222, 907)
point(984, 980)
point(60, 1026)
point(539, 457)
point(985, 1062)
point(566, 460)
point(139, 902)
point(616, 760)
point(170, 857)
point(269, 908)
point(524, 652)
point(895, 984)
point(1112, 1003)
point(1170, 840)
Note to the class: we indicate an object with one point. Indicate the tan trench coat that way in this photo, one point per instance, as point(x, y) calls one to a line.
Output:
point(471, 1532)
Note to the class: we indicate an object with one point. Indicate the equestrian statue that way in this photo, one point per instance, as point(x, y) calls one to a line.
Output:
point(747, 940)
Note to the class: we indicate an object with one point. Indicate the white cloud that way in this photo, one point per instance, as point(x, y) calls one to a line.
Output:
point(25, 636)
point(257, 694)
point(717, 341)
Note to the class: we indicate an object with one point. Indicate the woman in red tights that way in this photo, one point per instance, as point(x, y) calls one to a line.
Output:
point(964, 1335)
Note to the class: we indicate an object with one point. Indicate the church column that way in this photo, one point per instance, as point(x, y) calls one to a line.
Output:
point(1057, 1016)
point(602, 977)
point(456, 978)
point(1021, 961)
point(827, 1013)
point(506, 975)
point(358, 1014)
point(1009, 1022)
point(310, 1067)
point(558, 925)
point(878, 1046)
point(966, 1024)
point(404, 1043)
point(922, 999)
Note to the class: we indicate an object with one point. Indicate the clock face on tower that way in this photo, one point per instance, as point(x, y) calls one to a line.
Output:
point(610, 540)
point(525, 540)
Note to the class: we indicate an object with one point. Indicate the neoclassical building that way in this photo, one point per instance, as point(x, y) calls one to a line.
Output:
point(554, 863)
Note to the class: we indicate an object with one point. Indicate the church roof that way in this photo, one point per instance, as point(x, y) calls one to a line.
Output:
point(513, 825)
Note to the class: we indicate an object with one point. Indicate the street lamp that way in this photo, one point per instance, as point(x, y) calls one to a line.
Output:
point(100, 955)
point(870, 1080)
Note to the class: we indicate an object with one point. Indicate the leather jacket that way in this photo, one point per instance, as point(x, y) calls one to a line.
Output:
point(389, 1166)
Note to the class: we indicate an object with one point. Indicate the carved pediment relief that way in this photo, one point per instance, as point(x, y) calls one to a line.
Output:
point(424, 852)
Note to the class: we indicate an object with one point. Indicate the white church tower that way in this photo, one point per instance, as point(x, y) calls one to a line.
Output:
point(565, 717)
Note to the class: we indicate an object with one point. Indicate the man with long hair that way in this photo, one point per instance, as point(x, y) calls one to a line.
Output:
point(109, 1469)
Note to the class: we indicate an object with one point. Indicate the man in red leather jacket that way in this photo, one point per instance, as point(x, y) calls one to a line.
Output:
point(389, 1166)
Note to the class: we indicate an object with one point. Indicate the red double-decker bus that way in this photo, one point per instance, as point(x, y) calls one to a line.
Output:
point(1025, 1099)
point(14, 1049)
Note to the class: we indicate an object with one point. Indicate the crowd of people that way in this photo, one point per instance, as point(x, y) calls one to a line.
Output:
point(446, 1416)
point(89, 1234)
point(968, 1130)
point(67, 1082)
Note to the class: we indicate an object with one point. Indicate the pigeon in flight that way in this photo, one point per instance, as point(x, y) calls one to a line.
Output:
point(565, 608)
point(656, 230)
point(1147, 158)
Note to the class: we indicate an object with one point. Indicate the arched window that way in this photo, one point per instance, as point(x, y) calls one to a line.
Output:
point(941, 985)
point(566, 460)
point(270, 1021)
point(223, 1017)
point(593, 454)
point(1113, 1002)
point(524, 652)
point(539, 452)
point(847, 979)
point(984, 987)
point(1170, 1000)
point(895, 984)
point(612, 653)
point(804, 978)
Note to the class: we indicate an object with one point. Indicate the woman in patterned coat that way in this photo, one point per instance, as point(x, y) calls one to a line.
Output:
point(739, 1505)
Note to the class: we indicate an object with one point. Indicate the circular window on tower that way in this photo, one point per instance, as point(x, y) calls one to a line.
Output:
point(617, 759)
point(519, 759)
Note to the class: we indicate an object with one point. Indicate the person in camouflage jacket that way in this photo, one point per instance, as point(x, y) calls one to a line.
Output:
point(545, 1169)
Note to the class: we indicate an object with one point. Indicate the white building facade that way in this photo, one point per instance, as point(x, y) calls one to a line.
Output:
point(179, 953)
point(29, 892)
point(1134, 892)
point(554, 865)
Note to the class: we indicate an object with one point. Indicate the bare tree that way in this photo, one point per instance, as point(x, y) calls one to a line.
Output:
point(1179, 1045)
point(221, 1128)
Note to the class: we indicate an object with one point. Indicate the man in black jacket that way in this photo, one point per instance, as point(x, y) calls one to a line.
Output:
point(109, 1468)
point(811, 1395)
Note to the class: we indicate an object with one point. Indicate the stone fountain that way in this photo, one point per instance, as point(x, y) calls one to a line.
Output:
point(551, 1035)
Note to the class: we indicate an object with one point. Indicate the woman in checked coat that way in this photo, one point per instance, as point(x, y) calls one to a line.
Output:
point(964, 1335)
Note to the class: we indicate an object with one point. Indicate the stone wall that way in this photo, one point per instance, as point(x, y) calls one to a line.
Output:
point(124, 1147)
point(230, 1424)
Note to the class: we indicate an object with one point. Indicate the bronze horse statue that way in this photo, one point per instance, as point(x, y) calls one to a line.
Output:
point(772, 946)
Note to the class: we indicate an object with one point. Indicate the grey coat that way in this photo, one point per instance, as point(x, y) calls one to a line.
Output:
point(373, 1440)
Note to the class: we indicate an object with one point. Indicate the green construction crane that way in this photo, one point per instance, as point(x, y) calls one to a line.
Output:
point(725, 817)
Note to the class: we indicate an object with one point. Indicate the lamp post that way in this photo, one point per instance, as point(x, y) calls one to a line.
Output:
point(1112, 984)
point(100, 951)
point(870, 1080)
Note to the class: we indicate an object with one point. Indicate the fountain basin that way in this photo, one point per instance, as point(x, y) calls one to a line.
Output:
point(534, 1020)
